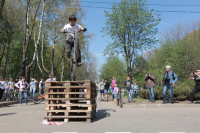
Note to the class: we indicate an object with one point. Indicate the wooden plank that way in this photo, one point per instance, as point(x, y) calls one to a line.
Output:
point(56, 99)
point(56, 111)
point(78, 87)
point(77, 99)
point(56, 87)
point(55, 93)
point(70, 111)
point(78, 117)
point(77, 120)
point(56, 117)
point(81, 105)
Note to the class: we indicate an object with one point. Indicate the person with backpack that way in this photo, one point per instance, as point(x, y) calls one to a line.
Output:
point(150, 84)
point(128, 84)
point(169, 80)
point(23, 86)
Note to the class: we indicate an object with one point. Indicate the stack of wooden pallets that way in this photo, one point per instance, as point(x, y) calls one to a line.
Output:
point(70, 101)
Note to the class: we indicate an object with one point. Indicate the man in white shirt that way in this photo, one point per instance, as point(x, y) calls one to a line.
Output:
point(70, 29)
point(50, 78)
point(3, 86)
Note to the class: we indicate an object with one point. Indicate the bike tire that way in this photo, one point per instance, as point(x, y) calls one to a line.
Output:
point(12, 96)
point(121, 102)
point(117, 101)
point(35, 99)
point(73, 71)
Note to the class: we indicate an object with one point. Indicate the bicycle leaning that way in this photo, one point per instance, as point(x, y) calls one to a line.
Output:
point(120, 98)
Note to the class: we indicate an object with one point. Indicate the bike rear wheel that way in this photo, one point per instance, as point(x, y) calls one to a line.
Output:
point(12, 95)
point(37, 98)
point(121, 101)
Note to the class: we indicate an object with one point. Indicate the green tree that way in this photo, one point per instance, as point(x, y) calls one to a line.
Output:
point(132, 27)
point(114, 67)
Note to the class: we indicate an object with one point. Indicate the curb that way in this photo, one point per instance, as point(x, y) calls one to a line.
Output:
point(161, 105)
point(8, 103)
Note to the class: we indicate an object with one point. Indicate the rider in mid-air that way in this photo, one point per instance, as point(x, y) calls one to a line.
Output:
point(69, 29)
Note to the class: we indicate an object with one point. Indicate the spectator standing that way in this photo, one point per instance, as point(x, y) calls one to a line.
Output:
point(128, 84)
point(150, 84)
point(11, 85)
point(23, 88)
point(196, 77)
point(3, 87)
point(41, 86)
point(102, 87)
point(115, 91)
point(133, 91)
point(169, 80)
point(106, 90)
point(33, 87)
point(51, 78)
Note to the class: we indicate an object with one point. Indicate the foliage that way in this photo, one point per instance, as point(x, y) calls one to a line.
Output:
point(132, 27)
point(183, 55)
point(53, 43)
point(114, 67)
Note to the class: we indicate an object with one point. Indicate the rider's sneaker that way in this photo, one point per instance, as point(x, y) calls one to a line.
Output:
point(79, 63)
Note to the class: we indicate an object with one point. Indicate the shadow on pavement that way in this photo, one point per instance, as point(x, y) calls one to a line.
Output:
point(101, 114)
point(12, 105)
point(32, 103)
point(8, 114)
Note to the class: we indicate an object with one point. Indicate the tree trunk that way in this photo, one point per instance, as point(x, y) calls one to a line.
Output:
point(42, 57)
point(1, 8)
point(63, 68)
point(7, 59)
point(24, 66)
point(52, 59)
point(2, 55)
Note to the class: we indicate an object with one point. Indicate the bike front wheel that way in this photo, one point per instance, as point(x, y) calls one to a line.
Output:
point(38, 98)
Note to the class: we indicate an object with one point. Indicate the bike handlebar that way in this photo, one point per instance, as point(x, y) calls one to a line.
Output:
point(84, 29)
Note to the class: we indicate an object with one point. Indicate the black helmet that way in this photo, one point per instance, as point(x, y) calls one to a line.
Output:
point(72, 17)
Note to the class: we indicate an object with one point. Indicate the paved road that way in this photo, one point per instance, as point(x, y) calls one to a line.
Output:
point(140, 118)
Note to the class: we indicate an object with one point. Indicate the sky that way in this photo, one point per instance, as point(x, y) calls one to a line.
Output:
point(95, 20)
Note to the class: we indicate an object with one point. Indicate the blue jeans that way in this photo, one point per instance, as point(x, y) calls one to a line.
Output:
point(132, 94)
point(114, 95)
point(151, 93)
point(166, 87)
point(8, 94)
point(135, 93)
point(32, 90)
point(25, 96)
point(128, 93)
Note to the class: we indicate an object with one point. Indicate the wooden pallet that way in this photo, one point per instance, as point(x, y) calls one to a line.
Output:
point(71, 95)
point(70, 86)
point(67, 116)
point(75, 107)
point(70, 101)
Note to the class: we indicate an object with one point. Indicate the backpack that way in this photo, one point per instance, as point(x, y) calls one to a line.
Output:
point(167, 74)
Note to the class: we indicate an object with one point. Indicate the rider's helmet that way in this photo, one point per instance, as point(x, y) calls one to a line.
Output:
point(72, 17)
